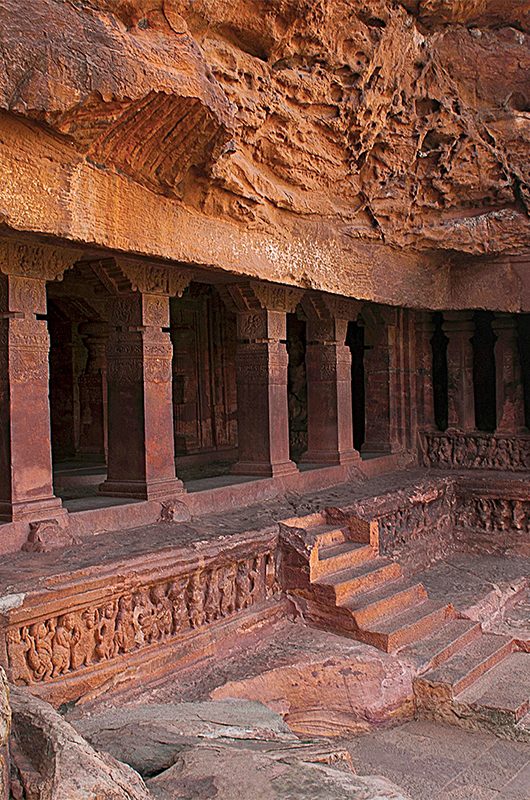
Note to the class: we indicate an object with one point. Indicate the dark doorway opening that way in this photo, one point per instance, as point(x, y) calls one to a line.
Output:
point(439, 343)
point(523, 328)
point(484, 372)
point(355, 341)
point(297, 386)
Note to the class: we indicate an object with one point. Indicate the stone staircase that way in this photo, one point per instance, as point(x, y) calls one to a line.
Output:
point(484, 683)
point(338, 581)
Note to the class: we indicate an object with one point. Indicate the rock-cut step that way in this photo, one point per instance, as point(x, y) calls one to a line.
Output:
point(338, 557)
point(359, 579)
point(461, 670)
point(389, 599)
point(503, 691)
point(394, 632)
point(433, 650)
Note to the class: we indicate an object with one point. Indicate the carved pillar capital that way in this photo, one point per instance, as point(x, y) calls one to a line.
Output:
point(157, 279)
point(328, 316)
point(38, 261)
point(261, 295)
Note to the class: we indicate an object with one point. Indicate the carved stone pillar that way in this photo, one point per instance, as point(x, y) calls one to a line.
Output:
point(329, 381)
point(509, 382)
point(459, 327)
point(26, 480)
point(93, 391)
point(262, 409)
point(424, 361)
point(381, 424)
point(141, 452)
point(191, 372)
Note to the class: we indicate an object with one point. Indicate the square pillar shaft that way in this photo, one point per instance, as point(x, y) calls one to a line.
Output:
point(459, 327)
point(425, 391)
point(263, 417)
point(93, 392)
point(509, 382)
point(26, 479)
point(329, 395)
point(141, 453)
point(381, 423)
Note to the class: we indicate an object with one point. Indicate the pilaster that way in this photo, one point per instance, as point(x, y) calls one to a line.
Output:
point(509, 383)
point(459, 327)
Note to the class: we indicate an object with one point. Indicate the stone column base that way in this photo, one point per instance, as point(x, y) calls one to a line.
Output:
point(142, 490)
point(33, 510)
point(264, 470)
point(330, 458)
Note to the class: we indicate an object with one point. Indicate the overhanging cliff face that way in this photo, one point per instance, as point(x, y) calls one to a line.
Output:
point(362, 147)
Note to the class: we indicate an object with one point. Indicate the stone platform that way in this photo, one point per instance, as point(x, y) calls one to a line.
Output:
point(114, 609)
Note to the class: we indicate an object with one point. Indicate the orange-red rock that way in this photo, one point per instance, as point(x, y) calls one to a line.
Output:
point(327, 145)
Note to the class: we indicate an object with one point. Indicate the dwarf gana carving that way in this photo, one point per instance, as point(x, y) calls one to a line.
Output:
point(416, 521)
point(42, 650)
point(494, 514)
point(477, 451)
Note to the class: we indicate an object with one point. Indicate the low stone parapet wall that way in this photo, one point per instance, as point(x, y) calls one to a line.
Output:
point(494, 515)
point(414, 523)
point(476, 451)
point(91, 626)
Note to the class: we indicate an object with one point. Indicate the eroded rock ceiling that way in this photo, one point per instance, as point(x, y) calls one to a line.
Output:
point(404, 123)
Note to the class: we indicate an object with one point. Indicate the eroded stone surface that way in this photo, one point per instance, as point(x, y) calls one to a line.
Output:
point(322, 684)
point(150, 738)
point(208, 771)
point(5, 727)
point(397, 126)
point(53, 762)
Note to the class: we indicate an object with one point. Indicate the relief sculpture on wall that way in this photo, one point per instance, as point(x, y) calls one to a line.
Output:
point(477, 451)
point(46, 649)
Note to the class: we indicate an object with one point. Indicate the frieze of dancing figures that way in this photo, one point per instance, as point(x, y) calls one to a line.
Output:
point(41, 650)
point(477, 451)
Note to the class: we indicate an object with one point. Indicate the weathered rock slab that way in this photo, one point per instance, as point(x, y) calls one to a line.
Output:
point(216, 770)
point(53, 762)
point(150, 737)
point(325, 685)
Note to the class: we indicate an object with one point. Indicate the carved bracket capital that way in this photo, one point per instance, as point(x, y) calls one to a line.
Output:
point(156, 278)
point(261, 295)
point(37, 261)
